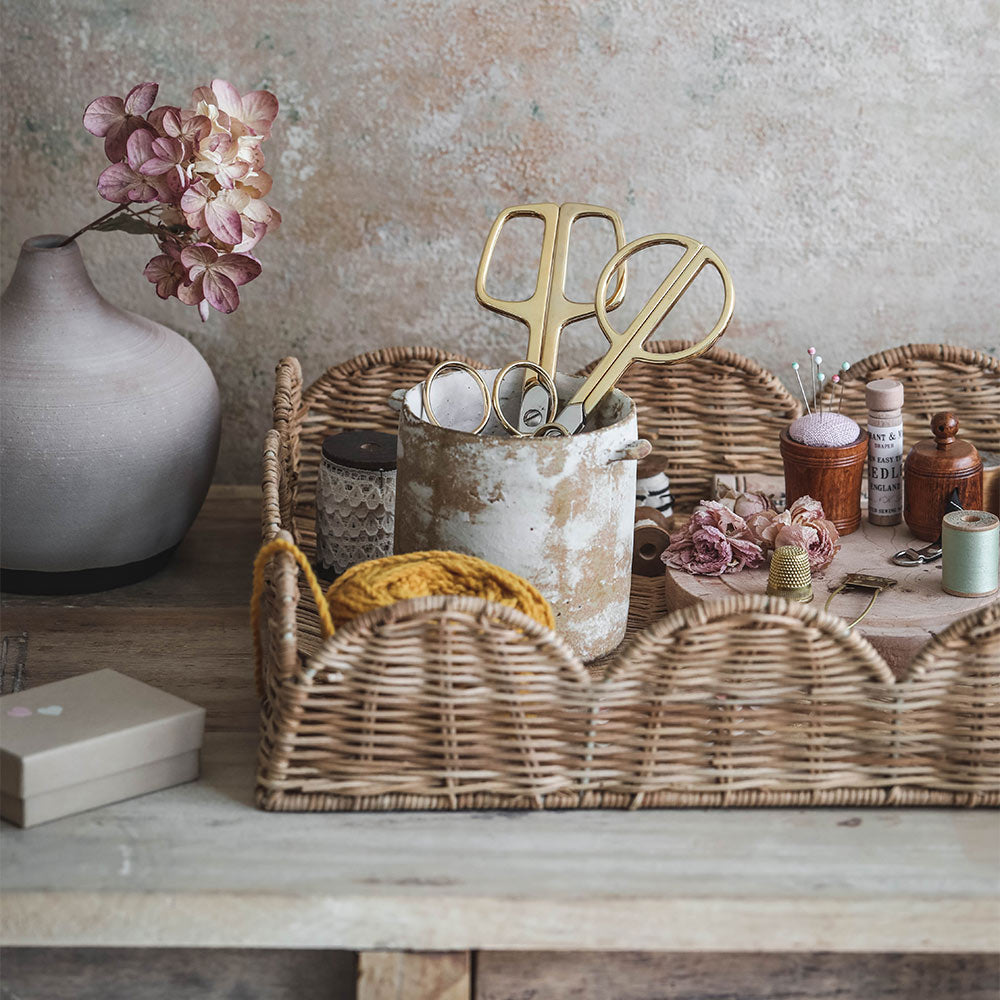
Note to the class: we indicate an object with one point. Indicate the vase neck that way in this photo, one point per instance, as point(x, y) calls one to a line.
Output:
point(47, 274)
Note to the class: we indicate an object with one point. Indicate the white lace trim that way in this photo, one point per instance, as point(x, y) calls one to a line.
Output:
point(355, 515)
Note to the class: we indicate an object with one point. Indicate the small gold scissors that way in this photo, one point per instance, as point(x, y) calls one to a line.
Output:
point(548, 309)
point(491, 402)
point(628, 346)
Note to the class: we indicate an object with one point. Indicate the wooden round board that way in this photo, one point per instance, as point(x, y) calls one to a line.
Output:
point(904, 617)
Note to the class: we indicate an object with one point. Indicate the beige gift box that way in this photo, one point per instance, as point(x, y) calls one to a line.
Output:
point(90, 740)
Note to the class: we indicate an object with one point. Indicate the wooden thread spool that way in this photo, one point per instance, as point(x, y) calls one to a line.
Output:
point(935, 467)
point(830, 475)
point(651, 537)
point(970, 558)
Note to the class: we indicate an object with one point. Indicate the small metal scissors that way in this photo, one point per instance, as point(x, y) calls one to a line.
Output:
point(491, 401)
point(548, 309)
point(627, 347)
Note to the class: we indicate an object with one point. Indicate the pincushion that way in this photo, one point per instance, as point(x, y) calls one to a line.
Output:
point(824, 430)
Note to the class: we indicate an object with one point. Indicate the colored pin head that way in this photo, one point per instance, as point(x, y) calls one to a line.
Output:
point(811, 351)
point(798, 378)
point(845, 367)
point(818, 360)
point(835, 379)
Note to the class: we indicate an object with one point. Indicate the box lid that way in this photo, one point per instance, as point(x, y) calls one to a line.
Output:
point(56, 735)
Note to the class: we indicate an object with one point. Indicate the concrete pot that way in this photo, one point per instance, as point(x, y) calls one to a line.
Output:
point(559, 511)
point(109, 431)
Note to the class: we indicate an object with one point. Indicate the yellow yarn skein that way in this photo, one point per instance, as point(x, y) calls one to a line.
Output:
point(379, 582)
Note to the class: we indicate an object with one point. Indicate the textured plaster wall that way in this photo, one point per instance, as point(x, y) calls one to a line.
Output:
point(841, 157)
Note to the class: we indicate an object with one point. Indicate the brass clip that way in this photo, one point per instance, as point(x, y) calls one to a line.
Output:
point(862, 581)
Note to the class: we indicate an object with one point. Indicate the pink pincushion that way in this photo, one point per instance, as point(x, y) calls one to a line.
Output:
point(824, 430)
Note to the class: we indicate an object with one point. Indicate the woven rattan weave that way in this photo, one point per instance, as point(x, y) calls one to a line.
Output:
point(455, 703)
point(935, 377)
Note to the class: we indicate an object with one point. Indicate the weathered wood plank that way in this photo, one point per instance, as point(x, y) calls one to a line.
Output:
point(727, 976)
point(202, 654)
point(176, 974)
point(197, 865)
point(395, 975)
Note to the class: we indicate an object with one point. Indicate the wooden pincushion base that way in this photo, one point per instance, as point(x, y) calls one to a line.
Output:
point(830, 475)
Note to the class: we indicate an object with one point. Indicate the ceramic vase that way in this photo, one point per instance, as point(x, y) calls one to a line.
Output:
point(109, 431)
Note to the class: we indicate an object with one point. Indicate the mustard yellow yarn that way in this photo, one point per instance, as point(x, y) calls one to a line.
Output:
point(379, 582)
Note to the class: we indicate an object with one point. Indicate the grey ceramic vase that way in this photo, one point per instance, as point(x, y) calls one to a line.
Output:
point(109, 431)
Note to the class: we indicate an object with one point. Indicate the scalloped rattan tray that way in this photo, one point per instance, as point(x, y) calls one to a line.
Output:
point(455, 703)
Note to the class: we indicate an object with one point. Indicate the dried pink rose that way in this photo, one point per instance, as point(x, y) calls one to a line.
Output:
point(806, 509)
point(702, 549)
point(116, 119)
point(765, 525)
point(748, 504)
point(747, 553)
point(820, 539)
point(713, 542)
point(711, 513)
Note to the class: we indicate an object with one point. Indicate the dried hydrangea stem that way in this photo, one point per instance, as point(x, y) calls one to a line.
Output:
point(90, 225)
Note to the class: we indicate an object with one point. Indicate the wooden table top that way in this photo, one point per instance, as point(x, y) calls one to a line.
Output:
point(198, 865)
point(904, 617)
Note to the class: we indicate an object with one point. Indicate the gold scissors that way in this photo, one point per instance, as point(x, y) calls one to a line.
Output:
point(627, 347)
point(548, 310)
point(491, 402)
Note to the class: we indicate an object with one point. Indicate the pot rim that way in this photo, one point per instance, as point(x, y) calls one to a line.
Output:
point(412, 418)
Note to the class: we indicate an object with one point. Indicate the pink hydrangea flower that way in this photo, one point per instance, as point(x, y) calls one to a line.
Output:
point(214, 277)
point(166, 272)
point(218, 211)
point(116, 119)
point(166, 155)
point(199, 170)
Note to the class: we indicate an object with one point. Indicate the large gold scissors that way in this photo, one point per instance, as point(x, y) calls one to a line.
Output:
point(627, 347)
point(548, 310)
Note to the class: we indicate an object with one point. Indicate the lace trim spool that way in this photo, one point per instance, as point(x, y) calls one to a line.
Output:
point(355, 499)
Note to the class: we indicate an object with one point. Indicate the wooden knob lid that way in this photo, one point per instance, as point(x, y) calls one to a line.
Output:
point(943, 454)
point(944, 427)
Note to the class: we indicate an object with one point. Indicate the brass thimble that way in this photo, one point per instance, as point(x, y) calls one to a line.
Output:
point(789, 575)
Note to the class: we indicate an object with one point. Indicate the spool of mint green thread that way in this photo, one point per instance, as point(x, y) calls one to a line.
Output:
point(970, 557)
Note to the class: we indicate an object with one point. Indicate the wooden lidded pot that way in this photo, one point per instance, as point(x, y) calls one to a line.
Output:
point(830, 475)
point(935, 467)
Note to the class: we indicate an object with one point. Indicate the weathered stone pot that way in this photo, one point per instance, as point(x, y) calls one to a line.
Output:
point(559, 511)
point(109, 431)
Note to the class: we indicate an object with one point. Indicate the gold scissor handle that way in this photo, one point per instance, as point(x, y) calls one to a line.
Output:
point(461, 366)
point(563, 310)
point(530, 311)
point(548, 309)
point(627, 347)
